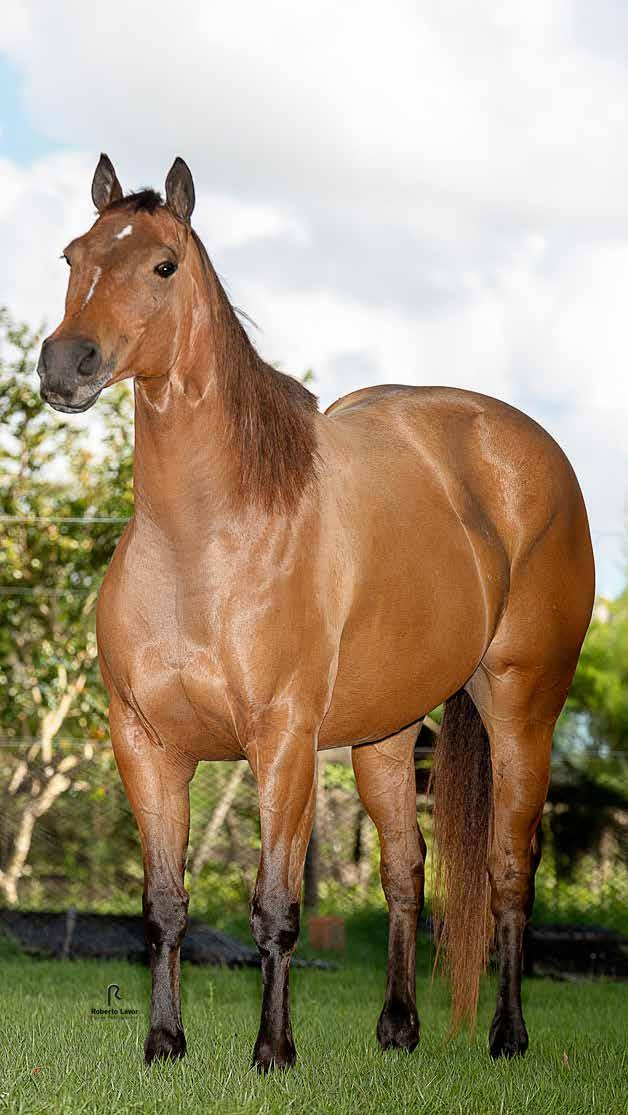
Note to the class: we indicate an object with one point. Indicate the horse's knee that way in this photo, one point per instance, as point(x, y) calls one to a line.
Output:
point(275, 925)
point(165, 915)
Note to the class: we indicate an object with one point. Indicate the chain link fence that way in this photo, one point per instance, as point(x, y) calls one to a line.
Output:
point(83, 850)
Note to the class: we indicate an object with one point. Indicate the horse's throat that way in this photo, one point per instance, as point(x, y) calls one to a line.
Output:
point(184, 472)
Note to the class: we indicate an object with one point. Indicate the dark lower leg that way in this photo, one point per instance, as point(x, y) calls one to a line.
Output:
point(512, 864)
point(508, 1035)
point(276, 932)
point(512, 901)
point(165, 920)
point(386, 783)
point(398, 1025)
point(285, 770)
point(157, 786)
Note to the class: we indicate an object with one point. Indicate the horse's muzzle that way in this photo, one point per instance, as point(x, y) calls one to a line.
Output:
point(70, 370)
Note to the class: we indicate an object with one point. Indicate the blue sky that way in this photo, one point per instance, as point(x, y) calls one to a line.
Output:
point(19, 141)
point(437, 197)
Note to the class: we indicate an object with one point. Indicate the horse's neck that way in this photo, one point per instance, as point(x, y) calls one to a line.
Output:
point(184, 472)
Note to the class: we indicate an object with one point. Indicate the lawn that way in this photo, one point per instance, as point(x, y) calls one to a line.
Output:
point(55, 1057)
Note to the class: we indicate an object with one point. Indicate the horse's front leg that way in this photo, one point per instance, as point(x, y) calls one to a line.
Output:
point(157, 785)
point(284, 767)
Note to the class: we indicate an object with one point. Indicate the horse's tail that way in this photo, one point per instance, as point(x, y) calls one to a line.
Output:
point(463, 798)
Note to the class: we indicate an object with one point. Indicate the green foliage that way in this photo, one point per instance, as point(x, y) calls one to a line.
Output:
point(600, 688)
point(50, 569)
point(60, 506)
point(594, 893)
point(589, 788)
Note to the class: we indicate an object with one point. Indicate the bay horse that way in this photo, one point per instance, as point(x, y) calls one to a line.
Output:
point(293, 581)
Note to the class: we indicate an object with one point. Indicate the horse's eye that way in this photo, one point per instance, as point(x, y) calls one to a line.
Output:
point(165, 269)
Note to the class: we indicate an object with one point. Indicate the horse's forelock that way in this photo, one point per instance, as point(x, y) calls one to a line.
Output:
point(146, 200)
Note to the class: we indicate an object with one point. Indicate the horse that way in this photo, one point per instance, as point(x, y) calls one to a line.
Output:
point(293, 581)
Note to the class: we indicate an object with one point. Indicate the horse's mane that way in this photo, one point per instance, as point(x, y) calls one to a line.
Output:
point(269, 415)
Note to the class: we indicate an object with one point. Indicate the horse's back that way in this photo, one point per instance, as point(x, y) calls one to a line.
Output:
point(479, 447)
point(508, 481)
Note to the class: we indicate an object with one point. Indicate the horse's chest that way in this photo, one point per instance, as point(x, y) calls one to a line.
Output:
point(199, 658)
point(184, 699)
point(159, 643)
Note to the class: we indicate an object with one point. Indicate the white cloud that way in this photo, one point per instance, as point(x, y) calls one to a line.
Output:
point(439, 194)
point(496, 105)
point(41, 209)
point(231, 223)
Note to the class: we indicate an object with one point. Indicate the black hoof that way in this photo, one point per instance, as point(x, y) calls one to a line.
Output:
point(398, 1027)
point(163, 1045)
point(508, 1037)
point(269, 1055)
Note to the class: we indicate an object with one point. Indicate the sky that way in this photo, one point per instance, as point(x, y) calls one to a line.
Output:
point(431, 193)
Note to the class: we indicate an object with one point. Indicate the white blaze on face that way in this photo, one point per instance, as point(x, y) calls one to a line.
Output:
point(126, 231)
point(92, 285)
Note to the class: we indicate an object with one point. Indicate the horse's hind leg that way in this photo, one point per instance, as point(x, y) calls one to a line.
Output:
point(519, 690)
point(519, 710)
point(157, 787)
point(386, 783)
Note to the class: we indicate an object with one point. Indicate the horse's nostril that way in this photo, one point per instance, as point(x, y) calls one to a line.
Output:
point(90, 361)
point(66, 360)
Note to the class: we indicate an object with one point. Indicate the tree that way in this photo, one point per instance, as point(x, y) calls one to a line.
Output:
point(600, 687)
point(60, 511)
point(588, 789)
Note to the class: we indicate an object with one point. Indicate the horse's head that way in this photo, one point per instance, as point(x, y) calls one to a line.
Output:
point(130, 293)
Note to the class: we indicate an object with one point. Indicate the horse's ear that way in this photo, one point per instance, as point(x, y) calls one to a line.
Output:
point(180, 190)
point(105, 185)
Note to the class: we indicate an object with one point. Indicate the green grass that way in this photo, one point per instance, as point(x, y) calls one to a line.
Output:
point(55, 1058)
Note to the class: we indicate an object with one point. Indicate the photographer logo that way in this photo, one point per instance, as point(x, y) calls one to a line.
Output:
point(111, 1010)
